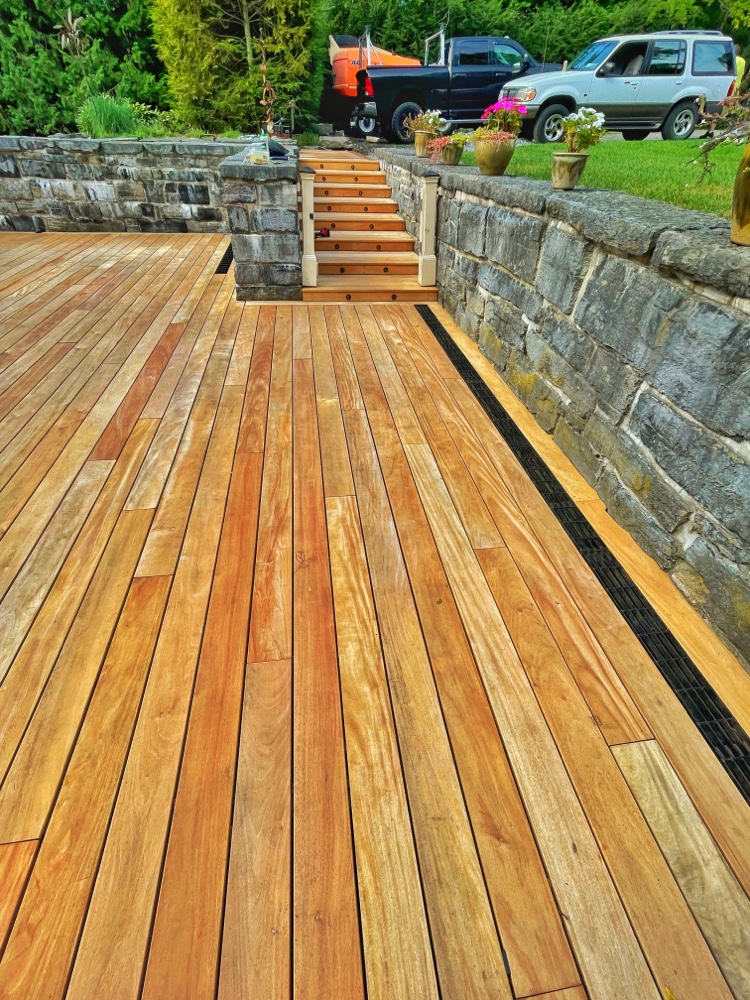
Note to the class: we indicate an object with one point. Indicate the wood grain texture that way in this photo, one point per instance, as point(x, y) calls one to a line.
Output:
point(15, 864)
point(45, 933)
point(671, 940)
point(256, 948)
point(327, 955)
point(467, 949)
point(530, 926)
point(398, 955)
point(718, 902)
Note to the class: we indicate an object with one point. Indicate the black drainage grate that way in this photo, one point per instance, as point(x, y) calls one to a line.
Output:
point(718, 726)
point(226, 261)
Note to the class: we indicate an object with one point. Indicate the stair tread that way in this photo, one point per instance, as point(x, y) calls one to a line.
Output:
point(338, 200)
point(370, 235)
point(358, 216)
point(368, 281)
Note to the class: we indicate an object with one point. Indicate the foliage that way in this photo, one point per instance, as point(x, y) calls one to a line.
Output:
point(505, 115)
point(104, 116)
point(497, 137)
point(436, 146)
point(215, 50)
point(667, 171)
point(583, 129)
point(427, 121)
point(551, 29)
point(730, 126)
point(42, 82)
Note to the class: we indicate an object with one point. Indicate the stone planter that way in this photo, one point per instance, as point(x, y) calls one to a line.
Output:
point(741, 202)
point(451, 155)
point(421, 139)
point(567, 169)
point(493, 157)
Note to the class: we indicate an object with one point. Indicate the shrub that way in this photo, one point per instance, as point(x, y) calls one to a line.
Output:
point(104, 117)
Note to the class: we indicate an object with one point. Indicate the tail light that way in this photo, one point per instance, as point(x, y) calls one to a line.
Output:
point(369, 89)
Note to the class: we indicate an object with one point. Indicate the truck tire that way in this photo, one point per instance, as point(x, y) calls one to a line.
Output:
point(364, 127)
point(548, 126)
point(680, 122)
point(402, 112)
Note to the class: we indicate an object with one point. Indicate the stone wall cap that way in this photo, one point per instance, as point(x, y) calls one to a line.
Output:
point(708, 256)
point(238, 168)
point(10, 142)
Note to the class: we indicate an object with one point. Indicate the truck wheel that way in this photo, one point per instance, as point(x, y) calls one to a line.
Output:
point(548, 126)
point(680, 122)
point(365, 127)
point(633, 134)
point(402, 112)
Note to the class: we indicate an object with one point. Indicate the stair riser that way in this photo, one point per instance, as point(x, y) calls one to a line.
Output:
point(323, 207)
point(370, 225)
point(357, 246)
point(342, 165)
point(330, 295)
point(342, 177)
point(355, 192)
point(368, 269)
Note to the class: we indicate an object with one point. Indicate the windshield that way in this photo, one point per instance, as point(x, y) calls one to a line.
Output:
point(593, 55)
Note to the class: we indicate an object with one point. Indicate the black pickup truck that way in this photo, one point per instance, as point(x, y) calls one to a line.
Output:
point(468, 78)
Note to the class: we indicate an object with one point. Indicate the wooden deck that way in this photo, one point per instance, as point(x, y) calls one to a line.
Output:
point(305, 693)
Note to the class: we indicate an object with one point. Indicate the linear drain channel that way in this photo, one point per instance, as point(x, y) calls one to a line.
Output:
point(717, 725)
point(226, 261)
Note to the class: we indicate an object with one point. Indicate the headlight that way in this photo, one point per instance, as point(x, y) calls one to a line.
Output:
point(524, 94)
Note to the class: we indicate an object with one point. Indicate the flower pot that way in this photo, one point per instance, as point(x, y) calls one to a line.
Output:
point(493, 157)
point(421, 139)
point(451, 155)
point(741, 202)
point(567, 169)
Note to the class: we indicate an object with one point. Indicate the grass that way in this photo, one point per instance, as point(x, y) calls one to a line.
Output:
point(651, 169)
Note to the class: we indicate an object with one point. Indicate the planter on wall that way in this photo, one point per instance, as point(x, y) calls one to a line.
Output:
point(451, 155)
point(741, 202)
point(421, 139)
point(567, 169)
point(493, 157)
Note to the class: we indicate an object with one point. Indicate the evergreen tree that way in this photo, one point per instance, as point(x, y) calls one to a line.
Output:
point(42, 84)
point(214, 51)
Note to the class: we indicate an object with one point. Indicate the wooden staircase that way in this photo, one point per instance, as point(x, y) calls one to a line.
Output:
point(368, 256)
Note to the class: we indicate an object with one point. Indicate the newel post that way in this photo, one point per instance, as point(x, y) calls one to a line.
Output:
point(309, 260)
point(428, 230)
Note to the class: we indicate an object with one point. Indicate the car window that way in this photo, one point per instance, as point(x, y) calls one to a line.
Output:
point(713, 58)
point(502, 54)
point(668, 58)
point(474, 52)
point(628, 60)
point(593, 55)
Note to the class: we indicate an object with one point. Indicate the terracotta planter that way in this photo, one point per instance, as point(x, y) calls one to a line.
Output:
point(741, 202)
point(451, 155)
point(493, 157)
point(421, 140)
point(567, 169)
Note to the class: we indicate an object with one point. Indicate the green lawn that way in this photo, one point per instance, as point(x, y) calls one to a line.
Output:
point(651, 169)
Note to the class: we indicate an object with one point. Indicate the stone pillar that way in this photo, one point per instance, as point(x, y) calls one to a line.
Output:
point(261, 203)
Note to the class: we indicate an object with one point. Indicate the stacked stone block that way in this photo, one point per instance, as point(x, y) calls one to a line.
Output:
point(624, 325)
point(261, 205)
point(112, 185)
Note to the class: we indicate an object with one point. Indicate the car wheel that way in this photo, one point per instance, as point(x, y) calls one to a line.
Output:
point(633, 134)
point(399, 116)
point(365, 127)
point(548, 126)
point(680, 122)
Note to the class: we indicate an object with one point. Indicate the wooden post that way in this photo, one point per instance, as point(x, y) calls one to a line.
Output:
point(309, 260)
point(428, 230)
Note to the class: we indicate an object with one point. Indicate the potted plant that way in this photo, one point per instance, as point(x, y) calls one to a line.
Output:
point(581, 130)
point(495, 141)
point(448, 148)
point(732, 125)
point(423, 127)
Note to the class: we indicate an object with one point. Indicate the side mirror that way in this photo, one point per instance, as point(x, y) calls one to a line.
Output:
point(526, 64)
point(607, 69)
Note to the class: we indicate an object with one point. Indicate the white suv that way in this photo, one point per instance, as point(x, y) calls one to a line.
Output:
point(642, 84)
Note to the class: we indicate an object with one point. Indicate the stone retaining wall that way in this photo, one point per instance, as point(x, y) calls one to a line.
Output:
point(624, 325)
point(261, 202)
point(112, 185)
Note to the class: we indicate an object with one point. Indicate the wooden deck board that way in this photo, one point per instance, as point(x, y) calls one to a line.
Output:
point(304, 693)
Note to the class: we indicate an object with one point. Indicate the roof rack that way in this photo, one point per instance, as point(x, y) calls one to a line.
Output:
point(691, 31)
